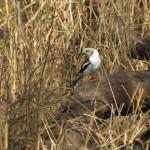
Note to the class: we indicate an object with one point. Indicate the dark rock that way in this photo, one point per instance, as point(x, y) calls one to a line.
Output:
point(118, 90)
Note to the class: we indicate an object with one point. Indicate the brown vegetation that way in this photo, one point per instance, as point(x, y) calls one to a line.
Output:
point(122, 94)
point(39, 46)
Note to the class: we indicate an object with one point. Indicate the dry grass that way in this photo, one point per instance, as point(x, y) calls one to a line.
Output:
point(39, 46)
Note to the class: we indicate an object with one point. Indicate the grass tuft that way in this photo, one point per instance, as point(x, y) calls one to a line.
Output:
point(39, 46)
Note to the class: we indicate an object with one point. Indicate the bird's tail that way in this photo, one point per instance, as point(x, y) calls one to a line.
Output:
point(75, 81)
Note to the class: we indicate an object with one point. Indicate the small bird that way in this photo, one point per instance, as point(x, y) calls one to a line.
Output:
point(90, 65)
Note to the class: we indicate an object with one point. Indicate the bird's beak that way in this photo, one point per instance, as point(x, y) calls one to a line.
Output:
point(81, 54)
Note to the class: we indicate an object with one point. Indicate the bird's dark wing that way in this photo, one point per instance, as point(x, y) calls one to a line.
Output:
point(84, 66)
point(80, 75)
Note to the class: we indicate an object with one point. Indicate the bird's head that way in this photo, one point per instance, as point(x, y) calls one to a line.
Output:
point(90, 51)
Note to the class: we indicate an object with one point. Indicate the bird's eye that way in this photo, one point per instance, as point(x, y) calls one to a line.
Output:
point(87, 51)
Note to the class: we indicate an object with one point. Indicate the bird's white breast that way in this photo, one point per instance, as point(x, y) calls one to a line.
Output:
point(95, 62)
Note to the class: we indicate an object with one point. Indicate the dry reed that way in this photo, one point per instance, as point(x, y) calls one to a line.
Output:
point(39, 46)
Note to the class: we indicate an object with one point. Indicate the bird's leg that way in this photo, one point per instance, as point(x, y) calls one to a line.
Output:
point(91, 78)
